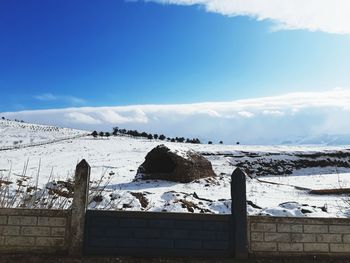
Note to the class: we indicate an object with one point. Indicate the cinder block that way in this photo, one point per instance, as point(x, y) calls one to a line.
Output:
point(3, 220)
point(301, 238)
point(110, 232)
point(277, 237)
point(316, 247)
point(20, 241)
point(216, 226)
point(316, 221)
point(2, 240)
point(161, 223)
point(58, 231)
point(132, 243)
point(340, 248)
point(263, 246)
point(50, 241)
point(257, 236)
point(289, 228)
point(133, 222)
point(35, 231)
point(9, 230)
point(315, 228)
point(186, 224)
point(263, 227)
point(22, 220)
point(160, 243)
point(51, 221)
point(222, 235)
point(188, 244)
point(147, 233)
point(329, 238)
point(216, 245)
point(208, 235)
point(346, 238)
point(290, 247)
point(334, 229)
point(176, 234)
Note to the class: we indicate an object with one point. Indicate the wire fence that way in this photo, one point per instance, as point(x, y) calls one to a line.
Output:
point(27, 145)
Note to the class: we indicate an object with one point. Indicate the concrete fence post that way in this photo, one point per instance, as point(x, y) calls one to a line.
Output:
point(80, 201)
point(239, 214)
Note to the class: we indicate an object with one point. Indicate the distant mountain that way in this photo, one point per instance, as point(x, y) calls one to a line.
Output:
point(323, 139)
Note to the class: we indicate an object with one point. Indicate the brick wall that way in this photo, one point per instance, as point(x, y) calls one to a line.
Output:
point(298, 236)
point(33, 230)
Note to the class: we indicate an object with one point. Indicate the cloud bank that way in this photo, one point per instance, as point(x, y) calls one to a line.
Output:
point(331, 16)
point(269, 120)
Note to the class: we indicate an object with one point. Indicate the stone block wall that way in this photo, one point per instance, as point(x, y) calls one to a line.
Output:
point(281, 236)
point(34, 230)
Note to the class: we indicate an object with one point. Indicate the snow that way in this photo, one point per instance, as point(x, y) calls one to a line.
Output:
point(315, 181)
point(293, 209)
point(16, 134)
point(117, 158)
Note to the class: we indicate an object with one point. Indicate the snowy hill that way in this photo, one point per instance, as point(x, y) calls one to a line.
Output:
point(279, 182)
point(19, 134)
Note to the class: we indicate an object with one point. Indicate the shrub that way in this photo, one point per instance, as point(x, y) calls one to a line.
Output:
point(94, 134)
point(115, 131)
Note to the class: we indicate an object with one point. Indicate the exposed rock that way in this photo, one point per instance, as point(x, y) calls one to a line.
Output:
point(286, 163)
point(142, 199)
point(174, 165)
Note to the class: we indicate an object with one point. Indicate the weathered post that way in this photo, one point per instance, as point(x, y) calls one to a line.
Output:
point(80, 200)
point(239, 213)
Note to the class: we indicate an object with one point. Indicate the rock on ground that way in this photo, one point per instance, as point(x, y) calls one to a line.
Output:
point(182, 166)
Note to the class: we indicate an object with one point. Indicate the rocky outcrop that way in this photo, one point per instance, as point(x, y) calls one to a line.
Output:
point(174, 165)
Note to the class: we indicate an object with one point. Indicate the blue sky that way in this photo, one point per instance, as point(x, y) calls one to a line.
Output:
point(57, 54)
point(276, 70)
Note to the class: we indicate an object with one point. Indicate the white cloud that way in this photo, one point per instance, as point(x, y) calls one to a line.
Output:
point(46, 97)
point(112, 116)
point(330, 16)
point(273, 112)
point(259, 120)
point(245, 114)
point(73, 100)
point(66, 98)
point(80, 118)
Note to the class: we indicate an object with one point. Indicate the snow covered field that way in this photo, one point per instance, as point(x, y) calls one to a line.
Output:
point(283, 192)
point(19, 134)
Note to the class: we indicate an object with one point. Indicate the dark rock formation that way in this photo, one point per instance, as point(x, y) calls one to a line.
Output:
point(178, 166)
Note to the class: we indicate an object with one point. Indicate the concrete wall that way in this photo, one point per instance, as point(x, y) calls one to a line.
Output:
point(34, 230)
point(157, 234)
point(48, 231)
point(274, 236)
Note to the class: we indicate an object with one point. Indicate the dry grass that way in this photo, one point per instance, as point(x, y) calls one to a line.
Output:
point(22, 191)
